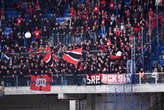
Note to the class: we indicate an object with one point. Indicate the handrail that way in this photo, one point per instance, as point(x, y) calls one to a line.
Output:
point(67, 74)
point(80, 79)
point(151, 73)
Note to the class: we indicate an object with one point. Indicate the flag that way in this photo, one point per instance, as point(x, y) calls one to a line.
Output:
point(4, 57)
point(50, 59)
point(114, 57)
point(47, 58)
point(73, 56)
point(117, 56)
point(40, 83)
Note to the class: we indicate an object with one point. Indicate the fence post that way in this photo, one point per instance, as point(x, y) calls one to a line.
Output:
point(156, 78)
point(28, 81)
point(17, 81)
point(140, 78)
point(61, 79)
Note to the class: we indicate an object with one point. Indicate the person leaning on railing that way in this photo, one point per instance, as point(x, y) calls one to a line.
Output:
point(141, 74)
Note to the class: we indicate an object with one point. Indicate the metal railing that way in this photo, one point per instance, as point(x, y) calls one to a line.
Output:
point(57, 79)
point(80, 79)
point(149, 78)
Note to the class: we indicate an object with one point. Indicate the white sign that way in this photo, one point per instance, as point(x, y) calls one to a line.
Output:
point(40, 82)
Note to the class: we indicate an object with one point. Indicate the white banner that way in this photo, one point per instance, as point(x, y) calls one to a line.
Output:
point(108, 79)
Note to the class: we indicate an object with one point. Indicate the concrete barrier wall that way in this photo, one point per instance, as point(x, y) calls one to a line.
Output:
point(119, 102)
point(33, 102)
point(143, 88)
point(97, 97)
point(90, 102)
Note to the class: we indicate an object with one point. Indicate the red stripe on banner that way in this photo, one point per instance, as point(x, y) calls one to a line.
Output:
point(113, 57)
point(76, 51)
point(70, 60)
point(47, 58)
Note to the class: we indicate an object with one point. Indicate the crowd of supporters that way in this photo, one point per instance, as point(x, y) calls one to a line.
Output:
point(102, 28)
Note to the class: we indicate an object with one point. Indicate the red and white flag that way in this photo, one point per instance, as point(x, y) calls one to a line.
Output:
point(73, 56)
point(49, 58)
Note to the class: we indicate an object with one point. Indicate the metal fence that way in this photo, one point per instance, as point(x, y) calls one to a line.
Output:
point(80, 79)
point(151, 78)
point(66, 79)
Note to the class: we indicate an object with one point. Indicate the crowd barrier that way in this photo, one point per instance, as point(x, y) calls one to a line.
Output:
point(89, 79)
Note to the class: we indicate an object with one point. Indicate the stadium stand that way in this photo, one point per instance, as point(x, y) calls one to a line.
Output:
point(112, 33)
